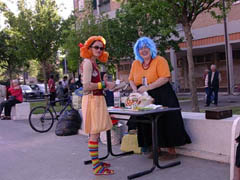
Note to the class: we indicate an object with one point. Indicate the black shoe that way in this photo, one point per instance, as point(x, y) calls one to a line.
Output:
point(6, 118)
point(206, 105)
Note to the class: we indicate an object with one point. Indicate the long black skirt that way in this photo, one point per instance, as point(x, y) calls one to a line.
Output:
point(171, 131)
point(237, 160)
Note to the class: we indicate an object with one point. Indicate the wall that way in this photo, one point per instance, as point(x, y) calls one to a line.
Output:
point(205, 19)
point(211, 139)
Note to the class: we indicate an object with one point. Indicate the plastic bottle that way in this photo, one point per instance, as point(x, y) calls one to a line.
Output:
point(117, 99)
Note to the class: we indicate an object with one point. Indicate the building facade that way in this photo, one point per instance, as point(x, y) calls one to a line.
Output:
point(99, 7)
point(209, 48)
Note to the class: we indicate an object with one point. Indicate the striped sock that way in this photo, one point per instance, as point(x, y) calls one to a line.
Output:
point(93, 151)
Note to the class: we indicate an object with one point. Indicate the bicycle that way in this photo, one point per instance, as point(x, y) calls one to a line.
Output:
point(41, 118)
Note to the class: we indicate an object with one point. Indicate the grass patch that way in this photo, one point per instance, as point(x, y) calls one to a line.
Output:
point(183, 98)
point(57, 108)
point(235, 110)
point(38, 103)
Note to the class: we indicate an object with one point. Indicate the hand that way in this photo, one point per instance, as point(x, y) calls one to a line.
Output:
point(142, 89)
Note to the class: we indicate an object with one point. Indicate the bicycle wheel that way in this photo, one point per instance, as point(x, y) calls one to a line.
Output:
point(41, 119)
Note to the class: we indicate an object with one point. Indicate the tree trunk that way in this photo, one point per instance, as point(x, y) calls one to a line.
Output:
point(192, 81)
point(10, 72)
point(24, 77)
point(73, 75)
point(45, 78)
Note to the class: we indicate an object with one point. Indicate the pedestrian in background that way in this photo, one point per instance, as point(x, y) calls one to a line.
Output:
point(71, 86)
point(65, 84)
point(107, 93)
point(205, 79)
point(60, 92)
point(213, 79)
point(79, 82)
point(52, 90)
point(15, 96)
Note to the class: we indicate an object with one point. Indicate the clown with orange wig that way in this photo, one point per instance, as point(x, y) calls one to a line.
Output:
point(94, 109)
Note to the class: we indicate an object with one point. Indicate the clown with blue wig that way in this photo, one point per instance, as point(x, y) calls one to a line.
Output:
point(150, 73)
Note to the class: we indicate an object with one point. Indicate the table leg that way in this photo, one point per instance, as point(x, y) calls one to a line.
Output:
point(133, 176)
point(109, 149)
point(109, 144)
point(155, 153)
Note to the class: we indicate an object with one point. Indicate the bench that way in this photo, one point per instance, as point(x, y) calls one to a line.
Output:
point(2, 93)
point(20, 111)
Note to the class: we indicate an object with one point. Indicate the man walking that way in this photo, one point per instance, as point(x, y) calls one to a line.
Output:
point(213, 79)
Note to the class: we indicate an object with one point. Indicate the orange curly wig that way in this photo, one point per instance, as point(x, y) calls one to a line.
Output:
point(85, 52)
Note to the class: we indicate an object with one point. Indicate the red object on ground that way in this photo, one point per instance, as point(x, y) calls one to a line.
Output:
point(114, 121)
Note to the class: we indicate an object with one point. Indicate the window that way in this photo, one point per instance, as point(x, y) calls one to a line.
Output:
point(180, 62)
point(221, 56)
point(198, 59)
point(124, 67)
point(208, 58)
point(203, 59)
point(94, 4)
point(80, 5)
point(101, 2)
point(120, 67)
point(236, 54)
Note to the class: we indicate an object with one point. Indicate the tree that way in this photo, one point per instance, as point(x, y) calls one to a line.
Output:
point(133, 20)
point(185, 13)
point(9, 60)
point(143, 18)
point(39, 31)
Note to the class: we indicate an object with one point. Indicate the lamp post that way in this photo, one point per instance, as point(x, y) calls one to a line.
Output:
point(98, 7)
point(229, 88)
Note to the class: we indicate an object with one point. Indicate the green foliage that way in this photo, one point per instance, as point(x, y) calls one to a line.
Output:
point(133, 20)
point(50, 69)
point(8, 54)
point(38, 32)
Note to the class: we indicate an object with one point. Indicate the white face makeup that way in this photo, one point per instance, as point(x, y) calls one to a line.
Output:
point(97, 48)
point(145, 53)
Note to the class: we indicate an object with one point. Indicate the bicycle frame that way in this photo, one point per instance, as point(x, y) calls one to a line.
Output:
point(56, 114)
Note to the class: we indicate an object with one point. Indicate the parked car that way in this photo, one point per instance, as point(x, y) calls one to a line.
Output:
point(42, 88)
point(28, 92)
point(39, 89)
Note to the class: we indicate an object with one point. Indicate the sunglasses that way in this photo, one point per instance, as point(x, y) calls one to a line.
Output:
point(97, 47)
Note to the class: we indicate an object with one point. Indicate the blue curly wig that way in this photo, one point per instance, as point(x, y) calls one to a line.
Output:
point(144, 42)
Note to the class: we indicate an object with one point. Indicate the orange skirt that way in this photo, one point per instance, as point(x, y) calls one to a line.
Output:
point(95, 114)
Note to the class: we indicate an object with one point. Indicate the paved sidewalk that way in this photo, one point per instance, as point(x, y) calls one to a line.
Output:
point(224, 101)
point(28, 155)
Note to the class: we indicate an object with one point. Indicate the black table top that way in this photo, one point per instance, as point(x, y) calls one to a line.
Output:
point(141, 113)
